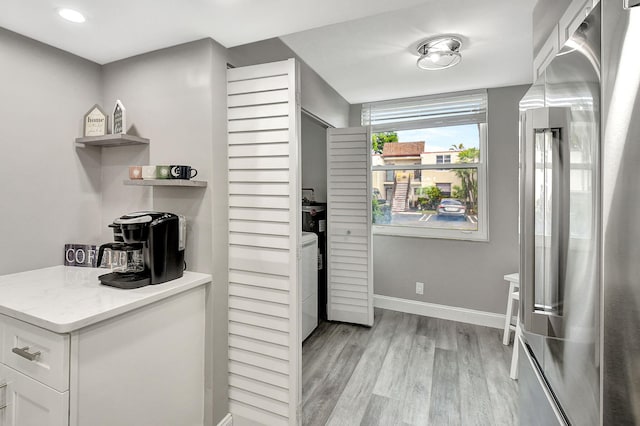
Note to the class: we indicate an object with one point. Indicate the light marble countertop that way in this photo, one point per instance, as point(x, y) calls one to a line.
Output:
point(63, 299)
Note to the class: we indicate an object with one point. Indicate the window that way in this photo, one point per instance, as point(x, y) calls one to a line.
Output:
point(389, 177)
point(445, 189)
point(429, 158)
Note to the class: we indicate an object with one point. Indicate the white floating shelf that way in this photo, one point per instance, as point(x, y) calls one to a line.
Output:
point(166, 182)
point(112, 140)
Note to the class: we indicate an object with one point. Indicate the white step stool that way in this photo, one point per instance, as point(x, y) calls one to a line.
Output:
point(514, 294)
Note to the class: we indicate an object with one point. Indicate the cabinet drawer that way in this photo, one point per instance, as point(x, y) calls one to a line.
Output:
point(30, 403)
point(50, 367)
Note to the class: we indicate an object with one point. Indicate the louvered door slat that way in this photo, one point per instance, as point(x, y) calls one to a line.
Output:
point(350, 278)
point(264, 224)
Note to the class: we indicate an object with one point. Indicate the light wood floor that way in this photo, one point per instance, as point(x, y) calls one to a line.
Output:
point(407, 370)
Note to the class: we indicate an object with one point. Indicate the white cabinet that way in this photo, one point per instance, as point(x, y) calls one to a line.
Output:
point(572, 18)
point(567, 25)
point(37, 353)
point(547, 52)
point(309, 281)
point(31, 403)
point(143, 367)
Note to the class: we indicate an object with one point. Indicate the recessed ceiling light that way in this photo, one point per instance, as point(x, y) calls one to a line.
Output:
point(71, 15)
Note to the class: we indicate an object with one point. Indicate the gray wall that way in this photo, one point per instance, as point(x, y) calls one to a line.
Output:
point(176, 97)
point(314, 157)
point(355, 117)
point(167, 96)
point(462, 273)
point(317, 97)
point(50, 191)
point(55, 193)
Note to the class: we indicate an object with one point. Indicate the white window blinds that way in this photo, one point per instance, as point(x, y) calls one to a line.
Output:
point(426, 111)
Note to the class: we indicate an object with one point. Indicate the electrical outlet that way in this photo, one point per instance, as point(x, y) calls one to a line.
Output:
point(419, 288)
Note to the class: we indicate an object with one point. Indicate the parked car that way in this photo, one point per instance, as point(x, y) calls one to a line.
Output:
point(451, 207)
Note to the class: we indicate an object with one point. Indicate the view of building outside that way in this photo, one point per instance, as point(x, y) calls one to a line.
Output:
point(425, 192)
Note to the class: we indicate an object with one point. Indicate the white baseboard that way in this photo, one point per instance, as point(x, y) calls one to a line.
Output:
point(226, 421)
point(470, 316)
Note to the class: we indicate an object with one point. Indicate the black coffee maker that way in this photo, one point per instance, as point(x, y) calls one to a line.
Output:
point(153, 247)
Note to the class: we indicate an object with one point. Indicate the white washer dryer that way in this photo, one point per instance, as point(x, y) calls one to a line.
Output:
point(309, 283)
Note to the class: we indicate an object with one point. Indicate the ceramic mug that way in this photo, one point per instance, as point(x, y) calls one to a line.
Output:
point(135, 172)
point(149, 172)
point(183, 172)
point(163, 172)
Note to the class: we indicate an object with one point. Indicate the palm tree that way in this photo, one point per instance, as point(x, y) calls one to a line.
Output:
point(468, 189)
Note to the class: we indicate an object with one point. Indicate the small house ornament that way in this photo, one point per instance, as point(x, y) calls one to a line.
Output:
point(119, 119)
point(95, 122)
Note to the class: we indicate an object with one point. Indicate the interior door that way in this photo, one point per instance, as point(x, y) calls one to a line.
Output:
point(349, 245)
point(264, 228)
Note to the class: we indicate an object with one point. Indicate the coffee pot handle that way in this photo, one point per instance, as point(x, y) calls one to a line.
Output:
point(101, 252)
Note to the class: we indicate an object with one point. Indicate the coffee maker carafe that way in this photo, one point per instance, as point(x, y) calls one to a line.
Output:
point(122, 257)
point(161, 239)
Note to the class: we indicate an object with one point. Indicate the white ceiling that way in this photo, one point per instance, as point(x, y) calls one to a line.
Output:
point(373, 58)
point(117, 29)
point(362, 48)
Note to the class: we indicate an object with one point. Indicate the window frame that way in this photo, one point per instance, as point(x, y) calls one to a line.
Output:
point(482, 233)
point(443, 157)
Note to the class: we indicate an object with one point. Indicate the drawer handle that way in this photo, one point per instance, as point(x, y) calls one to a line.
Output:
point(3, 385)
point(2, 407)
point(24, 353)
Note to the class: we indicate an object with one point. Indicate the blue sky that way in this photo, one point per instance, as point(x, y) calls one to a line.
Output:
point(441, 138)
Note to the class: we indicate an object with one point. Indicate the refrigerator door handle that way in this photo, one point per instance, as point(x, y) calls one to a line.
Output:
point(546, 318)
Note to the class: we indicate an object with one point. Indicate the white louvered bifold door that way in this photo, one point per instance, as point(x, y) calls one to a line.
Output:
point(350, 275)
point(264, 227)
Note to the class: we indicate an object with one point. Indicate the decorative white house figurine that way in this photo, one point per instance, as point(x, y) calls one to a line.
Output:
point(119, 119)
point(95, 122)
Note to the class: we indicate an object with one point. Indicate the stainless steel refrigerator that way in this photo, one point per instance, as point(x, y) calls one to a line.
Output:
point(579, 358)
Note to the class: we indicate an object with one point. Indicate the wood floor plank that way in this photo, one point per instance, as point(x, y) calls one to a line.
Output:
point(391, 381)
point(451, 374)
point(415, 407)
point(446, 335)
point(444, 408)
point(426, 327)
point(316, 339)
point(382, 411)
point(475, 402)
point(316, 367)
point(319, 405)
point(443, 331)
point(496, 361)
point(352, 403)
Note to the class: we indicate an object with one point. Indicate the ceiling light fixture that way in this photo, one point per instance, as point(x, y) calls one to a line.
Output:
point(72, 15)
point(439, 53)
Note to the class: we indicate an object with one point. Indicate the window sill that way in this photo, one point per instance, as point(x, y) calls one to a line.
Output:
point(441, 234)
